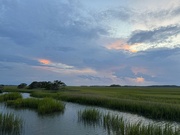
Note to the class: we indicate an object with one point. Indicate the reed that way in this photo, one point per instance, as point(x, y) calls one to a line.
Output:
point(42, 106)
point(40, 94)
point(10, 96)
point(90, 116)
point(152, 103)
point(49, 105)
point(154, 110)
point(10, 124)
point(116, 125)
point(24, 103)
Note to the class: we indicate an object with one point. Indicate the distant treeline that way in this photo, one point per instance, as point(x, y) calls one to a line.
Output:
point(48, 85)
point(163, 86)
point(116, 85)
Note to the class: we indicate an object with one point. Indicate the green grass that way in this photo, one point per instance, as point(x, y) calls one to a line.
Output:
point(161, 103)
point(48, 105)
point(90, 116)
point(10, 124)
point(42, 106)
point(10, 96)
point(118, 126)
point(43, 94)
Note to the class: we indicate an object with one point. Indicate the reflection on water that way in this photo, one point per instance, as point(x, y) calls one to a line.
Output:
point(67, 123)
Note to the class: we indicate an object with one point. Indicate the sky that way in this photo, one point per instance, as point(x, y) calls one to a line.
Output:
point(90, 42)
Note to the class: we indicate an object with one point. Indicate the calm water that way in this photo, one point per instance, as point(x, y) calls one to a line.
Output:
point(67, 123)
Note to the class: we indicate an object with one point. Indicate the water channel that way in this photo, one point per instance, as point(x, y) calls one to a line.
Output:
point(67, 123)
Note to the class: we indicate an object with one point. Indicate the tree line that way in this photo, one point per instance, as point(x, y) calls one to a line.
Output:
point(48, 85)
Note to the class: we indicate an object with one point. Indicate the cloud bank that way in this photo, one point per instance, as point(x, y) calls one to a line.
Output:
point(90, 43)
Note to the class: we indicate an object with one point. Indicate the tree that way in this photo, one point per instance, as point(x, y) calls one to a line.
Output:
point(56, 85)
point(34, 85)
point(22, 85)
point(115, 85)
point(1, 88)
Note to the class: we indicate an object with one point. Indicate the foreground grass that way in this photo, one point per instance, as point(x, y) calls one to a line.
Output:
point(10, 124)
point(117, 126)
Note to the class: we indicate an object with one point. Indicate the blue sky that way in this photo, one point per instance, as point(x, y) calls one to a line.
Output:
point(90, 42)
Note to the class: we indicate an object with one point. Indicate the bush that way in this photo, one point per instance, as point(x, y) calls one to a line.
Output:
point(22, 85)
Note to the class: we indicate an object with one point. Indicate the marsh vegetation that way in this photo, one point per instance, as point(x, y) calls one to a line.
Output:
point(157, 103)
point(10, 124)
point(154, 103)
point(90, 116)
point(118, 126)
point(42, 106)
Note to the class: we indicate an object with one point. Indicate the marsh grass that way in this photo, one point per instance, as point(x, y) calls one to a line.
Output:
point(10, 124)
point(154, 110)
point(116, 125)
point(24, 103)
point(44, 94)
point(154, 103)
point(42, 106)
point(49, 105)
point(90, 116)
point(10, 96)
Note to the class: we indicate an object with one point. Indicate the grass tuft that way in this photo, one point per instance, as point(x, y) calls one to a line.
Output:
point(10, 124)
point(42, 106)
point(49, 105)
point(10, 96)
point(116, 125)
point(90, 116)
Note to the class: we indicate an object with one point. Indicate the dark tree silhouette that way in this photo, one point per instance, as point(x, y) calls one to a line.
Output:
point(22, 85)
point(56, 85)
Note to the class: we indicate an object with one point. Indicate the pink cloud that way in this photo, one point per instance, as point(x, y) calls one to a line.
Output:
point(135, 81)
point(142, 70)
point(44, 61)
point(121, 45)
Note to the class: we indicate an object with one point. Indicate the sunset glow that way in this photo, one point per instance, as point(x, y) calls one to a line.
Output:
point(121, 45)
point(44, 61)
point(140, 80)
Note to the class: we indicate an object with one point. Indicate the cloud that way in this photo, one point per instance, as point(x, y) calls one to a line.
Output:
point(62, 68)
point(47, 21)
point(142, 70)
point(68, 40)
point(44, 61)
point(155, 35)
point(138, 81)
point(49, 63)
point(121, 45)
